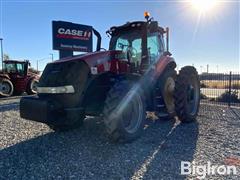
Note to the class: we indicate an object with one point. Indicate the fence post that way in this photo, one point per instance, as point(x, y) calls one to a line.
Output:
point(230, 88)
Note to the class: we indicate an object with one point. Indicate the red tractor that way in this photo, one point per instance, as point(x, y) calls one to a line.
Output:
point(16, 78)
point(137, 74)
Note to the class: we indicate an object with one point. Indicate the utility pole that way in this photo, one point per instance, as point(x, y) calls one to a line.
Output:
point(37, 65)
point(51, 56)
point(38, 60)
point(201, 69)
point(207, 68)
point(1, 39)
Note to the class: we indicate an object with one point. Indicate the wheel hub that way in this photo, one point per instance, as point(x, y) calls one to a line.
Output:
point(5, 88)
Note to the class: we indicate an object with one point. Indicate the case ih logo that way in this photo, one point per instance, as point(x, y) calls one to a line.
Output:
point(72, 37)
point(73, 34)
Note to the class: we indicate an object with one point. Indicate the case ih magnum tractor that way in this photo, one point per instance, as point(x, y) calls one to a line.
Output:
point(137, 74)
point(16, 78)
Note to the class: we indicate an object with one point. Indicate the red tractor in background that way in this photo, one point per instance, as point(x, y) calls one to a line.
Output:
point(137, 74)
point(16, 78)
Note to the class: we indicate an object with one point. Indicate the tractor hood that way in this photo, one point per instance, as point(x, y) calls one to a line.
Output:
point(75, 70)
point(95, 58)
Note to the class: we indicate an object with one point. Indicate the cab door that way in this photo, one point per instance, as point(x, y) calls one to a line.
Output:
point(155, 47)
point(19, 78)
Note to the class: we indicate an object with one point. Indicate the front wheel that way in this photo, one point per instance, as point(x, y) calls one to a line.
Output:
point(124, 112)
point(6, 88)
point(187, 94)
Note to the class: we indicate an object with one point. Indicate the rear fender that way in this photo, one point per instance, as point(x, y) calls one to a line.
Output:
point(165, 62)
point(31, 76)
point(4, 76)
point(148, 81)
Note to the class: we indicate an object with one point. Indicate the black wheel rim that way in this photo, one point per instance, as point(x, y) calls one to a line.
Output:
point(6, 88)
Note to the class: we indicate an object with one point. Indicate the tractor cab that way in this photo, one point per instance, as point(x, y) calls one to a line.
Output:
point(16, 78)
point(13, 67)
point(141, 41)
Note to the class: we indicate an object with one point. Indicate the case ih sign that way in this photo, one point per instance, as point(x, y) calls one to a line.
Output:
point(72, 37)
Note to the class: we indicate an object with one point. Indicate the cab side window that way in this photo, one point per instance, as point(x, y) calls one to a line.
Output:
point(137, 51)
point(122, 44)
point(162, 45)
point(20, 68)
point(155, 48)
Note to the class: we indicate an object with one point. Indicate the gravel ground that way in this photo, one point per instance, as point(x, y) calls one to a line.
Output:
point(30, 150)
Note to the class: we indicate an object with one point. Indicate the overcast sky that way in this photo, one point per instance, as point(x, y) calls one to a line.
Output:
point(210, 39)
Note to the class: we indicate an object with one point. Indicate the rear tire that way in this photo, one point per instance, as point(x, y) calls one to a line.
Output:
point(6, 88)
point(32, 87)
point(124, 112)
point(166, 97)
point(187, 94)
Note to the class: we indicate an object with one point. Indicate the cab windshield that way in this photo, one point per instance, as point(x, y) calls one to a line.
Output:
point(14, 68)
point(130, 42)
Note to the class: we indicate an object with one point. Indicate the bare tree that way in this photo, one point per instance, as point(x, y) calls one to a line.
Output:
point(6, 57)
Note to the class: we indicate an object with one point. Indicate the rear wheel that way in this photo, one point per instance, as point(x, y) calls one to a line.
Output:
point(124, 112)
point(187, 94)
point(6, 88)
point(164, 96)
point(32, 86)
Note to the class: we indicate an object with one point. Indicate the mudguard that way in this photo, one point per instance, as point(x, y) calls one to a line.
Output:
point(4, 76)
point(162, 64)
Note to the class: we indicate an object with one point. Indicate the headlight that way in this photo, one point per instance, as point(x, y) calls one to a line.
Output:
point(56, 90)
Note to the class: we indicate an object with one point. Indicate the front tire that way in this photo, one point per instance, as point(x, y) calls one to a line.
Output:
point(6, 88)
point(124, 112)
point(187, 94)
